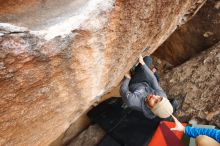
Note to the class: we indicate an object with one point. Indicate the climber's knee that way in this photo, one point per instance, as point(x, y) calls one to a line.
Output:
point(203, 140)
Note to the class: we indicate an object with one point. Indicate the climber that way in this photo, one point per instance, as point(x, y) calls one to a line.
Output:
point(142, 92)
point(204, 136)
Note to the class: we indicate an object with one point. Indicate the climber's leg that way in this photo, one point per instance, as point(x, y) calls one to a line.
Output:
point(203, 140)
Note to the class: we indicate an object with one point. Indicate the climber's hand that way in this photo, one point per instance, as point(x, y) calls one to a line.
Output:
point(141, 60)
point(154, 70)
point(127, 75)
point(179, 126)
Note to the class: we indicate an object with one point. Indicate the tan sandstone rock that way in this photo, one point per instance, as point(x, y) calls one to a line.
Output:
point(59, 56)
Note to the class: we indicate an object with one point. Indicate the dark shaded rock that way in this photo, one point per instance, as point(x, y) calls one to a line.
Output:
point(89, 137)
point(196, 84)
point(196, 35)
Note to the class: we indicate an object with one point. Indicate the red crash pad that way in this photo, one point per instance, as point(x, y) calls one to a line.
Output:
point(165, 137)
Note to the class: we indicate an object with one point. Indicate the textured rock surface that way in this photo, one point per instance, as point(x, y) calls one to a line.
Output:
point(196, 85)
point(89, 137)
point(74, 129)
point(198, 34)
point(56, 68)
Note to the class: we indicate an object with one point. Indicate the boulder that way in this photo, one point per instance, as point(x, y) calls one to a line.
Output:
point(58, 57)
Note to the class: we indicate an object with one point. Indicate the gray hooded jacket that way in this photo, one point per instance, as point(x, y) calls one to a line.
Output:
point(135, 94)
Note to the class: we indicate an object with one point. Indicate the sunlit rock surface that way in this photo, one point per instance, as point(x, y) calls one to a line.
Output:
point(58, 57)
point(196, 85)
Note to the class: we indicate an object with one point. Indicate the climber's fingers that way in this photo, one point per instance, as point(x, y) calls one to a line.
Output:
point(175, 120)
point(174, 129)
point(141, 60)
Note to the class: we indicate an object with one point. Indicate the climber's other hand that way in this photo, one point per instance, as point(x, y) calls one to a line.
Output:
point(127, 75)
point(141, 60)
point(178, 126)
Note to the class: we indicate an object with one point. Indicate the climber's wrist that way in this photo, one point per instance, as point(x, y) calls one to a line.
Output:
point(142, 63)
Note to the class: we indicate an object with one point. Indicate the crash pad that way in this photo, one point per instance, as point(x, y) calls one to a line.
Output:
point(126, 126)
point(165, 137)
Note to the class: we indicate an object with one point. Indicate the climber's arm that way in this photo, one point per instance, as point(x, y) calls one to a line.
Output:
point(149, 75)
point(131, 99)
point(194, 132)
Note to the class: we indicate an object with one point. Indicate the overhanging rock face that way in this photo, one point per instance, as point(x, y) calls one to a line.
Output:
point(58, 56)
